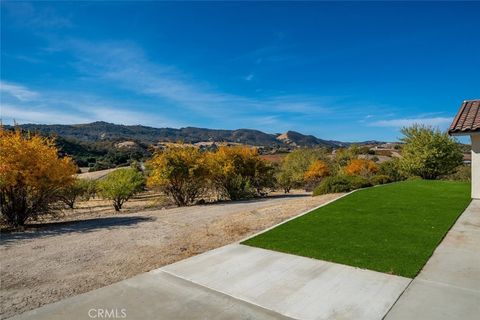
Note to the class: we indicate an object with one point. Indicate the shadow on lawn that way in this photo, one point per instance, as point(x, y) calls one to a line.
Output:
point(34, 231)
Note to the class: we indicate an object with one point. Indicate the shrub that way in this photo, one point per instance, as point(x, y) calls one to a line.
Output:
point(284, 180)
point(91, 192)
point(295, 165)
point(413, 178)
point(237, 188)
point(31, 176)
point(181, 172)
point(429, 153)
point(340, 183)
point(359, 182)
point(380, 179)
point(81, 188)
point(361, 167)
point(462, 173)
point(239, 173)
point(120, 185)
point(344, 156)
point(391, 169)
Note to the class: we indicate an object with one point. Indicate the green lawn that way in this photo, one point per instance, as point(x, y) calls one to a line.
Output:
point(392, 228)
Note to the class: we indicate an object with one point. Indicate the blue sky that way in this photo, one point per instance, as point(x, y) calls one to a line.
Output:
point(347, 71)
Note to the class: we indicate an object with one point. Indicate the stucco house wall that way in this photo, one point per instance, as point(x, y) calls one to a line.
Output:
point(475, 165)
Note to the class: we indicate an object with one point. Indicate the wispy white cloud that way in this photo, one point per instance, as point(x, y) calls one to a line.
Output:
point(249, 77)
point(126, 65)
point(14, 113)
point(405, 122)
point(18, 91)
point(23, 105)
point(10, 113)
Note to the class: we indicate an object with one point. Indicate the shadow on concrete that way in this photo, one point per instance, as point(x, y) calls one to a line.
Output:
point(33, 231)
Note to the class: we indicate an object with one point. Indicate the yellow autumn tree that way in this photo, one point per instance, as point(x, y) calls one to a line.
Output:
point(316, 172)
point(181, 172)
point(239, 172)
point(31, 175)
point(361, 167)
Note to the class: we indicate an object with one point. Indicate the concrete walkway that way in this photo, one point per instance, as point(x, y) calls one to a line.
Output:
point(448, 287)
point(298, 287)
point(151, 296)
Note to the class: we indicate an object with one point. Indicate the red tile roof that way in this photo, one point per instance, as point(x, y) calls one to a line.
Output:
point(467, 119)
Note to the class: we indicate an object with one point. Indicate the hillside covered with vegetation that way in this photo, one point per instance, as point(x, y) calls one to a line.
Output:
point(100, 131)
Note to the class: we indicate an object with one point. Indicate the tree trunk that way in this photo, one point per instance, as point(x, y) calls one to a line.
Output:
point(117, 204)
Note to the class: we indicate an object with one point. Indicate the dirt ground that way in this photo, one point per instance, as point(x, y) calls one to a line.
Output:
point(93, 246)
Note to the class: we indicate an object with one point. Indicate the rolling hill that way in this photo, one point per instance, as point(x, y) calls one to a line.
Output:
point(104, 131)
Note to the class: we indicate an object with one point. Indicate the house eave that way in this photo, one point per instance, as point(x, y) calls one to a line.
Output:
point(465, 133)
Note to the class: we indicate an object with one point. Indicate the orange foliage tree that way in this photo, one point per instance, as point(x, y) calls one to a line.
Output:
point(180, 172)
point(361, 167)
point(31, 175)
point(316, 172)
point(239, 172)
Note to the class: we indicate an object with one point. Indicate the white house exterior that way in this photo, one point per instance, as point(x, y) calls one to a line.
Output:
point(467, 122)
point(475, 165)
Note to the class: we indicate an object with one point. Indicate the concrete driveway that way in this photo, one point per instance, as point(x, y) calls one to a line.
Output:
point(298, 287)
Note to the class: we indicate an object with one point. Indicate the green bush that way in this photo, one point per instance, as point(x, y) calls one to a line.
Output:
point(429, 153)
point(380, 179)
point(391, 169)
point(340, 183)
point(462, 173)
point(79, 189)
point(120, 185)
point(240, 188)
point(413, 178)
point(360, 182)
point(91, 190)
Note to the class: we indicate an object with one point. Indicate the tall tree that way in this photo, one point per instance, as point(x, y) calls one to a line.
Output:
point(428, 152)
point(239, 172)
point(180, 172)
point(31, 175)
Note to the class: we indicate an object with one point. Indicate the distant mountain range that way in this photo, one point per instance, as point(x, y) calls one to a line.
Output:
point(104, 131)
